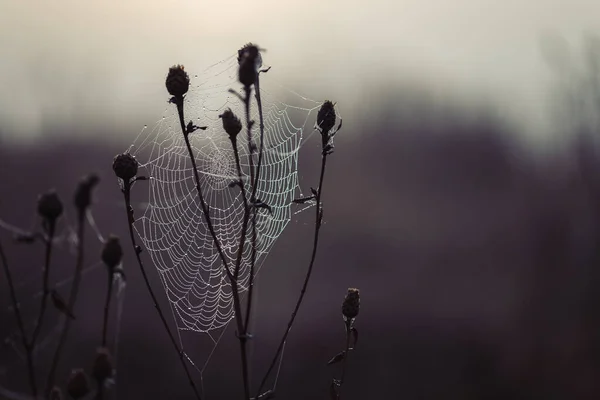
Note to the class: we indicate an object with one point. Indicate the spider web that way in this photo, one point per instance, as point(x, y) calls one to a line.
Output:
point(172, 227)
point(13, 367)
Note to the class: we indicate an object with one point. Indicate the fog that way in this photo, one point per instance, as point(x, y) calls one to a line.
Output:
point(71, 63)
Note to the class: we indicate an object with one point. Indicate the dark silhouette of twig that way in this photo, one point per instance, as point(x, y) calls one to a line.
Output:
point(19, 317)
point(51, 229)
point(306, 278)
point(107, 308)
point(254, 190)
point(72, 300)
point(345, 360)
point(82, 200)
point(177, 85)
point(325, 123)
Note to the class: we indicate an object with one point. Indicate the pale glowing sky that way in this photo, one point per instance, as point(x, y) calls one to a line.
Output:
point(62, 60)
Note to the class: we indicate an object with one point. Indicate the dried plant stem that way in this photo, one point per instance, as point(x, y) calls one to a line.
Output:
point(318, 221)
point(17, 308)
point(46, 287)
point(254, 190)
point(71, 301)
point(345, 360)
point(138, 251)
point(232, 279)
point(107, 308)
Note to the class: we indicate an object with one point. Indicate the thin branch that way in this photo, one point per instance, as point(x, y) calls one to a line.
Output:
point(205, 211)
point(107, 307)
point(254, 190)
point(46, 287)
point(138, 251)
point(17, 308)
point(72, 298)
point(346, 354)
point(318, 221)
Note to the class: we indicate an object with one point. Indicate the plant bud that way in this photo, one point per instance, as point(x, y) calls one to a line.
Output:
point(103, 365)
point(112, 253)
point(351, 304)
point(252, 52)
point(78, 385)
point(231, 123)
point(178, 81)
point(49, 206)
point(83, 193)
point(247, 72)
point(125, 166)
point(55, 394)
point(326, 117)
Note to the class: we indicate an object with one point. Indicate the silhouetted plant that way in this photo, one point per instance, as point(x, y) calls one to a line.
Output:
point(350, 308)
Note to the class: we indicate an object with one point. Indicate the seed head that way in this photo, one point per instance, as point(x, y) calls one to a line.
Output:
point(231, 123)
point(103, 365)
point(249, 60)
point(112, 253)
point(351, 304)
point(252, 52)
point(247, 73)
point(55, 394)
point(125, 166)
point(78, 385)
point(83, 193)
point(326, 117)
point(49, 206)
point(178, 81)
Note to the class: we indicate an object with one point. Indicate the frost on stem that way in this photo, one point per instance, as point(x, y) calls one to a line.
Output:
point(125, 166)
point(178, 81)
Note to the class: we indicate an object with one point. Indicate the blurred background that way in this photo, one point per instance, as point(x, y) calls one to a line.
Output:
point(462, 198)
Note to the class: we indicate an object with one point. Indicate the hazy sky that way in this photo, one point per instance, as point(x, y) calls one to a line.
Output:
point(105, 61)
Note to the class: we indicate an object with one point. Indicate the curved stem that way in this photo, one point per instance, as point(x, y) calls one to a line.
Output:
point(46, 289)
point(107, 308)
point(205, 211)
point(346, 355)
point(306, 278)
point(72, 299)
point(254, 190)
point(138, 251)
point(17, 308)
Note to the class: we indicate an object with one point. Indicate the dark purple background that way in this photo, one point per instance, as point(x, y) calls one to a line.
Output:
point(477, 264)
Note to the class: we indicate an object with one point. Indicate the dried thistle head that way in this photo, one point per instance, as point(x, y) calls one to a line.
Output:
point(178, 81)
point(78, 385)
point(55, 394)
point(103, 365)
point(49, 206)
point(250, 61)
point(351, 304)
point(326, 117)
point(125, 166)
point(83, 193)
point(252, 52)
point(112, 253)
point(231, 123)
